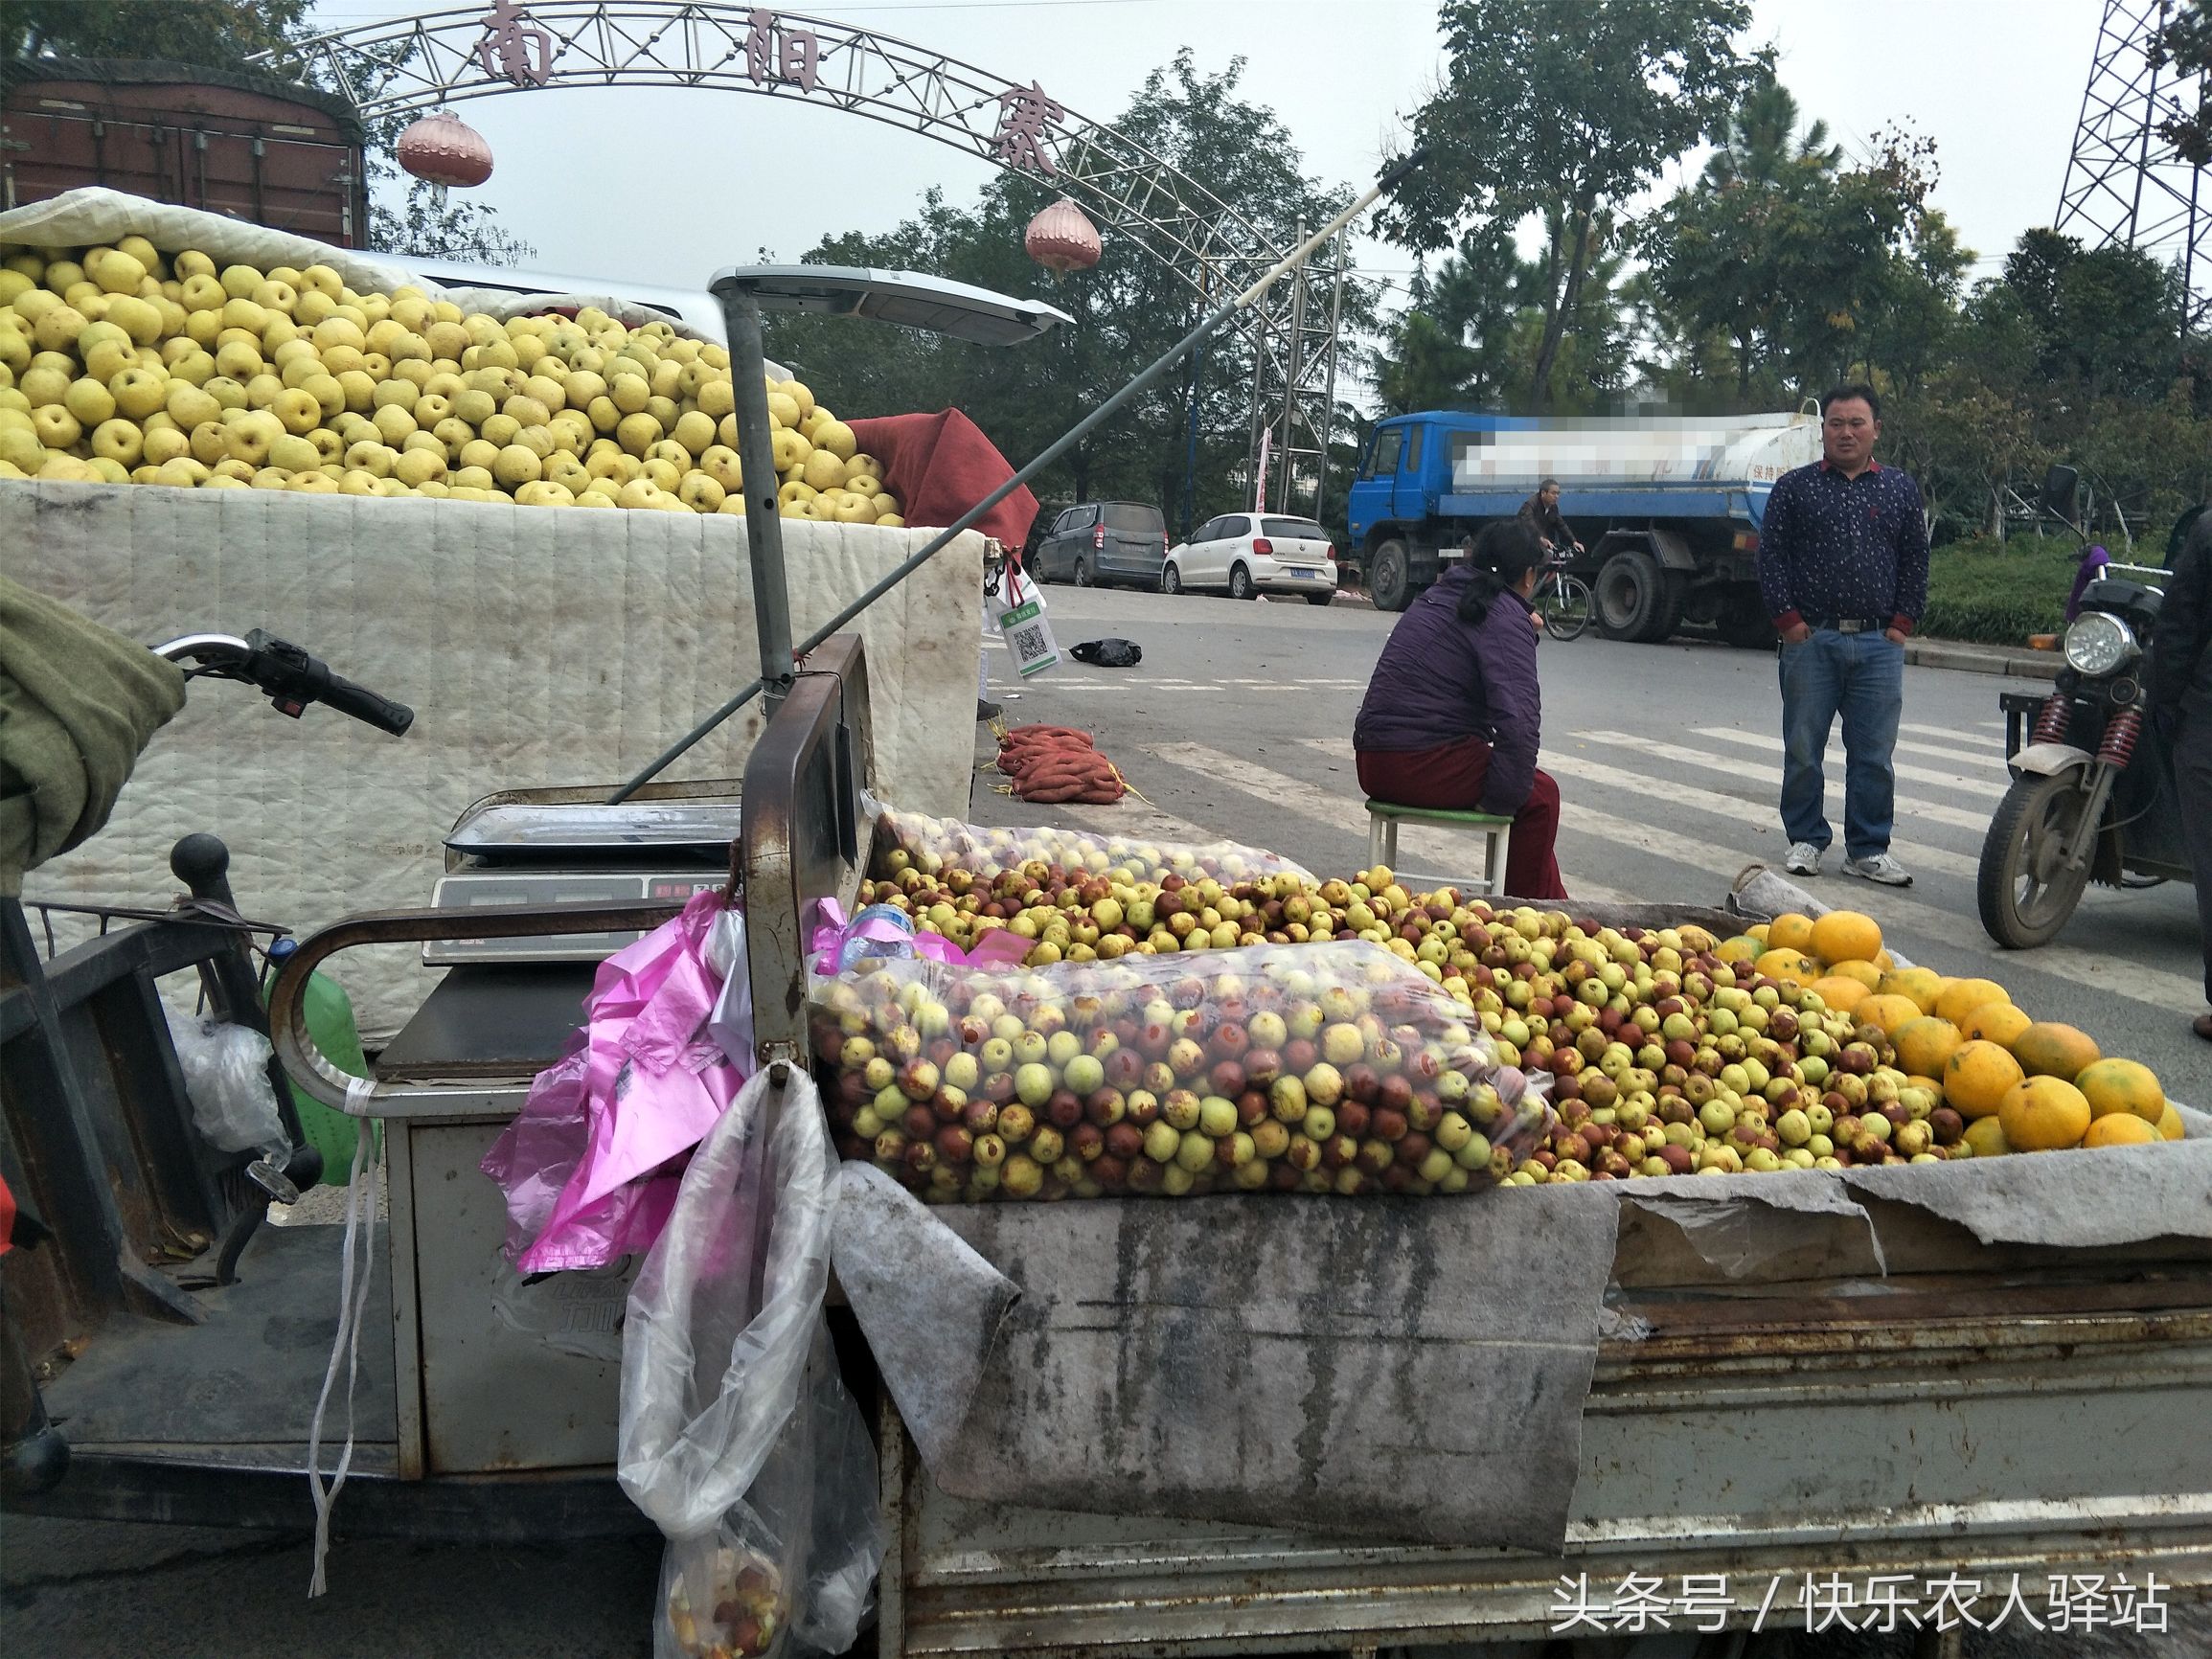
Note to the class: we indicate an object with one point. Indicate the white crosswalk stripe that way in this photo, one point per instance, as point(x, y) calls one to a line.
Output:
point(1933, 812)
point(1914, 856)
point(1996, 743)
point(1892, 909)
point(1917, 774)
point(1420, 846)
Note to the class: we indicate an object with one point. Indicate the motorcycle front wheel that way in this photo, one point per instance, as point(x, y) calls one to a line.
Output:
point(2022, 886)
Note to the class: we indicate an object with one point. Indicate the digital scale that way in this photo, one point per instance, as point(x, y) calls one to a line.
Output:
point(506, 851)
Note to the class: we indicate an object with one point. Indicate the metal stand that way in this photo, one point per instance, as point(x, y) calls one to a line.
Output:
point(763, 520)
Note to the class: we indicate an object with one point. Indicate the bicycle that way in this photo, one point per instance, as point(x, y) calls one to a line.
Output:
point(1562, 601)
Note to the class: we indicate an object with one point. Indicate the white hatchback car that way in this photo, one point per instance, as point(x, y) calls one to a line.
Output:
point(1247, 554)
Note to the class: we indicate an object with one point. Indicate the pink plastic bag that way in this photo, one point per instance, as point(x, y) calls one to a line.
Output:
point(592, 1163)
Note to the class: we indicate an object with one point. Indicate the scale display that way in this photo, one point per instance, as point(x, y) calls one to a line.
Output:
point(492, 892)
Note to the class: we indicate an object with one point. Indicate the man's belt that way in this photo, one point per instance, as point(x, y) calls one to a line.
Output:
point(1857, 624)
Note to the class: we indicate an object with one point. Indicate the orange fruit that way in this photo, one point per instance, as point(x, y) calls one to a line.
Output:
point(1997, 1022)
point(1924, 1045)
point(2118, 1086)
point(2043, 1114)
point(1839, 993)
point(2119, 1129)
point(1962, 996)
point(1865, 972)
point(1885, 961)
point(1920, 983)
point(1845, 935)
point(1978, 1078)
point(1757, 930)
point(2170, 1123)
point(2049, 1048)
point(1742, 949)
point(1986, 1137)
point(1789, 931)
point(1886, 1010)
point(1785, 963)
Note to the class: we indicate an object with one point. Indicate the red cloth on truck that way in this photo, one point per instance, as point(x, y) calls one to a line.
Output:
point(939, 465)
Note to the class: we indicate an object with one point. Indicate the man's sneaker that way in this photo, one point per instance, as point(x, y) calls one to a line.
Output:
point(1804, 860)
point(1881, 868)
point(986, 710)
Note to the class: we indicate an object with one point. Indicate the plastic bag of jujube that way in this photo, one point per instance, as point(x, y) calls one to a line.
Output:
point(938, 845)
point(1299, 1068)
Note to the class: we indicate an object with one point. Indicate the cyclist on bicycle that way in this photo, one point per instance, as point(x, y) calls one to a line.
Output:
point(1541, 512)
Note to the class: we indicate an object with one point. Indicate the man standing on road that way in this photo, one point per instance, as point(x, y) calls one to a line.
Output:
point(1843, 572)
point(2179, 688)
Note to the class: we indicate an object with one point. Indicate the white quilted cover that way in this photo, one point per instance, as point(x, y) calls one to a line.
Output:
point(537, 645)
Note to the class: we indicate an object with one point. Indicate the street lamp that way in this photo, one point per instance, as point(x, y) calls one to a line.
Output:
point(906, 298)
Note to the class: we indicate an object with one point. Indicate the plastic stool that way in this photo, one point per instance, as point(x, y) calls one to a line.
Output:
point(1384, 816)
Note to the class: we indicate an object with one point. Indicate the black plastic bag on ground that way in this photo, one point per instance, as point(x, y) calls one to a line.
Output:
point(1109, 653)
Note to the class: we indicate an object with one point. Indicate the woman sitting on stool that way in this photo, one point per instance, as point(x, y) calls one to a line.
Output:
point(1453, 715)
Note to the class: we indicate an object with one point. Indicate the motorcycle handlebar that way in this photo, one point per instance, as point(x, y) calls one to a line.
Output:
point(291, 677)
point(367, 707)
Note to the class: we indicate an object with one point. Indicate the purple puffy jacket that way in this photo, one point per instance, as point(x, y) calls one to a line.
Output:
point(1441, 679)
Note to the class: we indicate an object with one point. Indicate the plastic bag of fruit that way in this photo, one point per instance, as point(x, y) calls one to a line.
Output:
point(939, 845)
point(735, 1437)
point(1300, 1068)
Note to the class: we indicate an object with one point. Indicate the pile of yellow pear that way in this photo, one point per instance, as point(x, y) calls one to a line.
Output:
point(119, 365)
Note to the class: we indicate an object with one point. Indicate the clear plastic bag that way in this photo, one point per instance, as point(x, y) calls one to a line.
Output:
point(735, 1437)
point(1311, 1068)
point(937, 845)
point(226, 1077)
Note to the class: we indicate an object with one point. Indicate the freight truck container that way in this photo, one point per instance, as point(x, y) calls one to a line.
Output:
point(1667, 508)
point(248, 146)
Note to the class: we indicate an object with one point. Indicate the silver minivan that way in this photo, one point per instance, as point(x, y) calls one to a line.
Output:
point(1105, 544)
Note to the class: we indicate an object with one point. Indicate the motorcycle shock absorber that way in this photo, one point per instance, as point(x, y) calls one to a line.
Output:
point(2051, 719)
point(2118, 746)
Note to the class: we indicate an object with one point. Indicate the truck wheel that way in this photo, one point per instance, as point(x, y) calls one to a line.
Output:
point(2021, 887)
point(1631, 596)
point(1389, 577)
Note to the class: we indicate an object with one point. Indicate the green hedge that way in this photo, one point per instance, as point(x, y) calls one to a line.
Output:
point(1996, 595)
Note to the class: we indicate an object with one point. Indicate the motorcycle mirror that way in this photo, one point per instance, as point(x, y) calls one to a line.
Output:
point(2062, 485)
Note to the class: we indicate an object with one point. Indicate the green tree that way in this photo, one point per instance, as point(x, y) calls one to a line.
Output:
point(1127, 310)
point(1565, 110)
point(217, 33)
point(2183, 44)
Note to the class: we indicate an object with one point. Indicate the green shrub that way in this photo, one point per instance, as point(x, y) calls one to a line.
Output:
point(1989, 594)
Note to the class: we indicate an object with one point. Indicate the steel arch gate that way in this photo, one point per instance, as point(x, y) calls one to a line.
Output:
point(410, 65)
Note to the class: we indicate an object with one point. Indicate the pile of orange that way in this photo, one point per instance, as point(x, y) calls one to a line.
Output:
point(2024, 1085)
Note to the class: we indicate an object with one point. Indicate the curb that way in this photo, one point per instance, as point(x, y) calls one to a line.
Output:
point(2019, 663)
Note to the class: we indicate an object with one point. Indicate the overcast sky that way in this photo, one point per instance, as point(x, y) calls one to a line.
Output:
point(664, 186)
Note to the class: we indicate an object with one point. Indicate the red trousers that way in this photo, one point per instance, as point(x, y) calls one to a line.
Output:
point(1451, 778)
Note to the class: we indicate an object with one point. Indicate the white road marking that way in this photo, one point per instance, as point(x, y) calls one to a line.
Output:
point(2171, 992)
point(1918, 774)
point(1956, 736)
point(1958, 818)
point(1729, 807)
point(1424, 844)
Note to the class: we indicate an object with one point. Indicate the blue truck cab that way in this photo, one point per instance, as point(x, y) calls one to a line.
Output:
point(1667, 508)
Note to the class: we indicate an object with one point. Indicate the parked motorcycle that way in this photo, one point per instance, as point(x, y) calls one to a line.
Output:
point(2093, 797)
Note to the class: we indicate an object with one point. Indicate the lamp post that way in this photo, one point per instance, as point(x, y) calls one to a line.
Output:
point(903, 297)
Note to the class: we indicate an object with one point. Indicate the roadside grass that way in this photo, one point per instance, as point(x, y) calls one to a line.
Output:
point(1995, 594)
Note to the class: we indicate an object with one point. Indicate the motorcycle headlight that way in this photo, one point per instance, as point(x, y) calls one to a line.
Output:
point(2099, 643)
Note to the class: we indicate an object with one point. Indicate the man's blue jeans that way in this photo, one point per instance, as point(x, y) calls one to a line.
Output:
point(1861, 678)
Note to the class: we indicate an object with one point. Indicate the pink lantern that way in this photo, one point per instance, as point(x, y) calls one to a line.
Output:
point(444, 149)
point(1062, 239)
